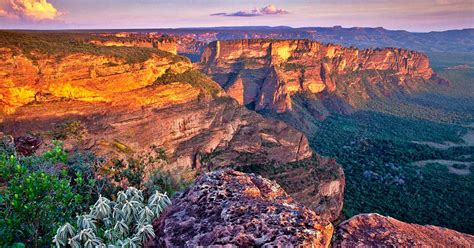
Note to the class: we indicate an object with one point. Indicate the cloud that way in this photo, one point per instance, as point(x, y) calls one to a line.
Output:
point(267, 10)
point(33, 10)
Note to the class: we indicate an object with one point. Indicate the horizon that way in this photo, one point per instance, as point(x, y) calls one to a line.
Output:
point(422, 16)
point(232, 28)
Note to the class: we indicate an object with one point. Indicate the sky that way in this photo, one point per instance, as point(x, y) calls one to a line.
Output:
point(411, 15)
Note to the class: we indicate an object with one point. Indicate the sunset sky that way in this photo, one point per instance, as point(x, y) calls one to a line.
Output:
point(412, 15)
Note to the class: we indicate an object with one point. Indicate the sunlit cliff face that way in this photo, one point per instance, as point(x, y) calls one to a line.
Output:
point(268, 73)
point(86, 78)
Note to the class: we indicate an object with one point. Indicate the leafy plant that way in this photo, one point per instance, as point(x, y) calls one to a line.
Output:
point(33, 203)
point(39, 192)
point(125, 222)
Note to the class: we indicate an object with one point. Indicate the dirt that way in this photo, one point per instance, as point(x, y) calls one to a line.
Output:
point(450, 164)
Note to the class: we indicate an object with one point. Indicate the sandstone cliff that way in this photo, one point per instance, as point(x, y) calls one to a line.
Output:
point(369, 230)
point(81, 76)
point(233, 209)
point(122, 108)
point(161, 101)
point(163, 43)
point(266, 74)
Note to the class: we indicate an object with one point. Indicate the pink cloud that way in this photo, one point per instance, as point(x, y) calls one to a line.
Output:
point(267, 10)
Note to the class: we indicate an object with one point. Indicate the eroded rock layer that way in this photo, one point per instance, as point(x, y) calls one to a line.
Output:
point(236, 209)
point(265, 74)
point(125, 107)
point(374, 230)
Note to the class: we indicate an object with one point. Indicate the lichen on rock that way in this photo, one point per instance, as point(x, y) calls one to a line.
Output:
point(234, 209)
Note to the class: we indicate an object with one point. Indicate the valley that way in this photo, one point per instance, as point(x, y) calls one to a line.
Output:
point(323, 132)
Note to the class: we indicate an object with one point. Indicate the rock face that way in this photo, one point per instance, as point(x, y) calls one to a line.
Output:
point(127, 107)
point(78, 76)
point(369, 230)
point(229, 208)
point(267, 73)
point(116, 109)
point(163, 43)
point(318, 183)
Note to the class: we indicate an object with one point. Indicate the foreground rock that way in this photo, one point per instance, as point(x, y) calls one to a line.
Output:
point(238, 209)
point(369, 230)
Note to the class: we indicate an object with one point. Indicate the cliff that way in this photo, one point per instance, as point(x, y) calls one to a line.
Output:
point(81, 76)
point(266, 74)
point(95, 100)
point(368, 230)
point(229, 208)
point(166, 44)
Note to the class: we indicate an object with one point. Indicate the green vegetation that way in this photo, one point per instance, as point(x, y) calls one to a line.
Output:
point(192, 77)
point(40, 192)
point(59, 45)
point(380, 178)
point(374, 144)
point(125, 222)
point(68, 129)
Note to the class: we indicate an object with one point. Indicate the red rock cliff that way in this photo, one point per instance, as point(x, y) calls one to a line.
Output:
point(266, 73)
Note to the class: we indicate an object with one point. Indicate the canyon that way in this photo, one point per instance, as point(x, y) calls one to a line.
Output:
point(126, 108)
point(202, 115)
point(266, 74)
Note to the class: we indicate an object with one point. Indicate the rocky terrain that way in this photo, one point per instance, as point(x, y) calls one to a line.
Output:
point(376, 230)
point(231, 208)
point(115, 108)
point(239, 210)
point(163, 43)
point(121, 96)
point(266, 74)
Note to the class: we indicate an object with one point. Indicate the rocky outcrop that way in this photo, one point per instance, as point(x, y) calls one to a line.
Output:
point(369, 230)
point(163, 43)
point(267, 73)
point(27, 145)
point(233, 209)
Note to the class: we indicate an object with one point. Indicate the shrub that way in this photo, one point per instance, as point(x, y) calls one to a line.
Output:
point(37, 193)
point(69, 129)
point(125, 222)
point(33, 203)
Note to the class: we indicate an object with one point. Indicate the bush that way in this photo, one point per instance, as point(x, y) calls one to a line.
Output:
point(38, 193)
point(33, 203)
point(125, 222)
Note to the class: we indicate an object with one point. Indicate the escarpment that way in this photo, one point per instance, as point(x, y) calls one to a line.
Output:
point(117, 108)
point(81, 76)
point(266, 74)
point(128, 40)
point(160, 101)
